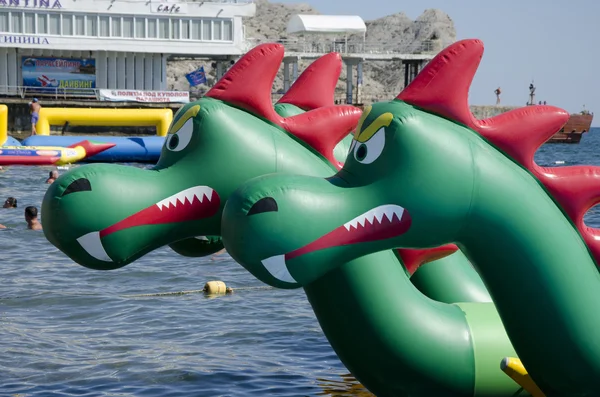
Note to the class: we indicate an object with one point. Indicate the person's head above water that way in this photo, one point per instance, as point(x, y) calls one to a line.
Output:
point(31, 217)
point(10, 202)
point(52, 176)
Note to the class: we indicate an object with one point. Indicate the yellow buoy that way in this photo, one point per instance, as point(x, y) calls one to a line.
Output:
point(216, 288)
point(514, 368)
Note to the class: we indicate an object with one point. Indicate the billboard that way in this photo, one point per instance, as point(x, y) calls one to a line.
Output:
point(69, 74)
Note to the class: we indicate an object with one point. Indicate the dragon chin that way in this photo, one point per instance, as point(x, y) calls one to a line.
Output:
point(191, 204)
point(379, 223)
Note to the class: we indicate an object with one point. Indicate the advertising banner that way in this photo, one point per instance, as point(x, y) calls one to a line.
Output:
point(59, 73)
point(144, 96)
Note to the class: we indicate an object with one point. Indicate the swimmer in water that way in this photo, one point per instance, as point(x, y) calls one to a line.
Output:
point(52, 176)
point(10, 202)
point(31, 217)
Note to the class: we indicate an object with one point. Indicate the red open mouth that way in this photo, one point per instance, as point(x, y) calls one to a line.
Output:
point(188, 205)
point(379, 223)
point(195, 203)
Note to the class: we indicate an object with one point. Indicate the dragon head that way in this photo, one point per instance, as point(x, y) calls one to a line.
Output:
point(408, 181)
point(105, 216)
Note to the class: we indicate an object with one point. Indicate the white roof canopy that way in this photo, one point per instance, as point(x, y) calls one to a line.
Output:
point(300, 23)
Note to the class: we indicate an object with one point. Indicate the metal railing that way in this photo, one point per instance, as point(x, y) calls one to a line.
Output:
point(50, 92)
point(93, 94)
point(351, 46)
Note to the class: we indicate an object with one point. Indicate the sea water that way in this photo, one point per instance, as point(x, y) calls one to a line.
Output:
point(66, 330)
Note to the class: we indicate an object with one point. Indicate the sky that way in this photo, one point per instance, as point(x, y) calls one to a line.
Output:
point(556, 43)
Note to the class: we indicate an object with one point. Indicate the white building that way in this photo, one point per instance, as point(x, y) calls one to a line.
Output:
point(129, 41)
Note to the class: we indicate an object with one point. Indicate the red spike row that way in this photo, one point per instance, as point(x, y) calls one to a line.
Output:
point(337, 120)
point(577, 189)
point(442, 88)
point(315, 87)
point(248, 85)
point(414, 258)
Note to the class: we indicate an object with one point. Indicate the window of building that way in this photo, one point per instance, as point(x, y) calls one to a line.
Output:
point(16, 21)
point(29, 23)
point(151, 28)
point(115, 23)
point(228, 30)
point(79, 25)
point(91, 26)
point(196, 29)
point(104, 26)
point(140, 28)
point(128, 27)
point(54, 23)
point(42, 23)
point(185, 29)
point(217, 33)
point(4, 22)
point(175, 26)
point(163, 28)
point(67, 25)
point(206, 30)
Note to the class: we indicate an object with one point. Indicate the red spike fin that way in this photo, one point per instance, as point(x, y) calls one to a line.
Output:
point(576, 189)
point(442, 87)
point(520, 132)
point(249, 82)
point(414, 258)
point(337, 121)
point(315, 87)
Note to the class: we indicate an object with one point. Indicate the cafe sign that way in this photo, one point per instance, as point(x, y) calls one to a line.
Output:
point(169, 8)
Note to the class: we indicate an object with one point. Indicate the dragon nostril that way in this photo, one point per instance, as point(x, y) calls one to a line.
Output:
point(266, 204)
point(78, 185)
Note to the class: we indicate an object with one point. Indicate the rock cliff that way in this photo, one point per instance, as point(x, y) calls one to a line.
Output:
point(381, 80)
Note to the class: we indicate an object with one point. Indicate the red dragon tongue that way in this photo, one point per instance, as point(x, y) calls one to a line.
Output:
point(315, 88)
point(381, 223)
point(414, 258)
point(191, 204)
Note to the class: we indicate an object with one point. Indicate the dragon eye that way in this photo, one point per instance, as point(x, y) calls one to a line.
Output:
point(367, 152)
point(179, 140)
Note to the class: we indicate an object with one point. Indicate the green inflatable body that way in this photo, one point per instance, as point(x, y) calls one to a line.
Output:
point(424, 172)
point(107, 216)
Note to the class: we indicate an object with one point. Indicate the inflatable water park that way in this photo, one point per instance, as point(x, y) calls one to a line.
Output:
point(503, 304)
point(45, 149)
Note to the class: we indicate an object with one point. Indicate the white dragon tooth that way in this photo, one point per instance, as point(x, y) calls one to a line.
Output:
point(277, 267)
point(360, 221)
point(378, 214)
point(92, 244)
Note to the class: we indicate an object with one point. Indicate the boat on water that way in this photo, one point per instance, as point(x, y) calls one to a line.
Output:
point(577, 125)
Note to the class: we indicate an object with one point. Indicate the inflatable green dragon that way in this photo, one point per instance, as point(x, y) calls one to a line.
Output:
point(423, 172)
point(105, 216)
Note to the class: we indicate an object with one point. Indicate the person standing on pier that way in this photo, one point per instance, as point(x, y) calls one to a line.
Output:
point(34, 109)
